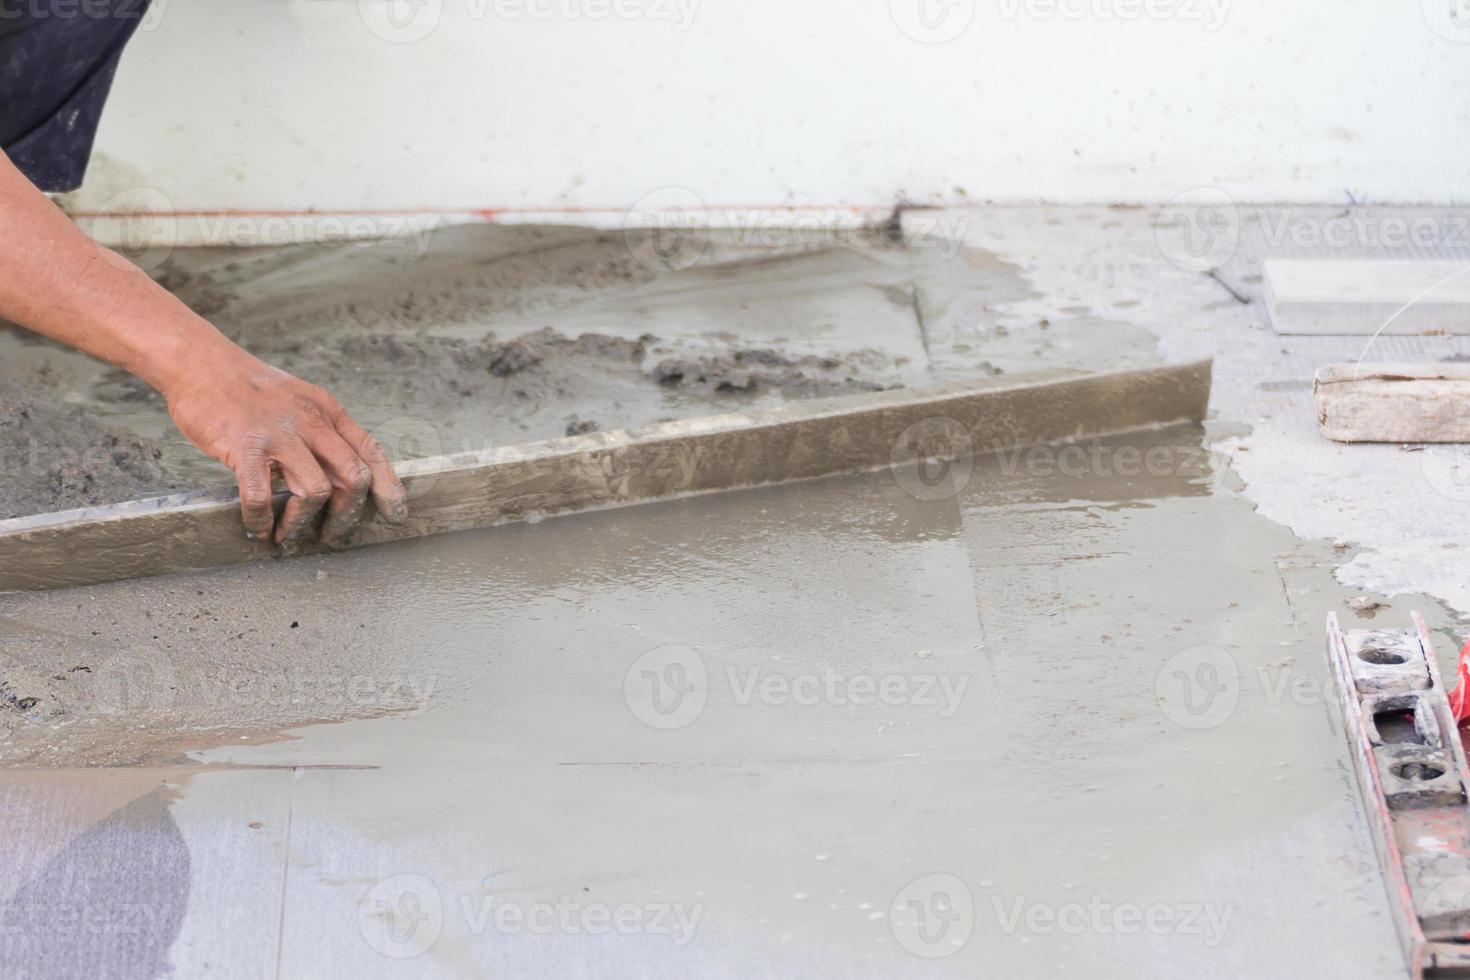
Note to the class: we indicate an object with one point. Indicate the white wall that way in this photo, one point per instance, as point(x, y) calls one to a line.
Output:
point(591, 105)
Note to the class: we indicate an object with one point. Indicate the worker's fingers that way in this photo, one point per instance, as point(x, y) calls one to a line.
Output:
point(351, 480)
point(255, 499)
point(310, 490)
point(388, 491)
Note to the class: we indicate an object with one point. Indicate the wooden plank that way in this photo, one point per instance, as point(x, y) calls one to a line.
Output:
point(799, 441)
point(1364, 296)
point(1394, 402)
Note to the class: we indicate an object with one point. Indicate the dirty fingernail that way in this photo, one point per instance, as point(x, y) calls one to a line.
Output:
point(292, 536)
point(291, 544)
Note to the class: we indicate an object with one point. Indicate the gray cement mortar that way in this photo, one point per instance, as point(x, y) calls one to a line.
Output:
point(1147, 717)
point(1137, 713)
point(493, 336)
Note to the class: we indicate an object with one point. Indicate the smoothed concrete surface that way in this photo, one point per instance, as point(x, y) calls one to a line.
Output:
point(1044, 720)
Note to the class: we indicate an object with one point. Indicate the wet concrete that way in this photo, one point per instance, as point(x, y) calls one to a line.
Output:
point(1401, 508)
point(491, 336)
point(60, 456)
point(1046, 714)
point(1143, 774)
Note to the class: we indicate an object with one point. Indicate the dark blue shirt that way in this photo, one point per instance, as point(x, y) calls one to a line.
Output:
point(57, 59)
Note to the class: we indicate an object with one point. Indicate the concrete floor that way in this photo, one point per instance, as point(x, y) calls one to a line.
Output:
point(1043, 719)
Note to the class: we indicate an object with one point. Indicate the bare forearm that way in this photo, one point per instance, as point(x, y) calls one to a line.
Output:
point(60, 283)
point(256, 419)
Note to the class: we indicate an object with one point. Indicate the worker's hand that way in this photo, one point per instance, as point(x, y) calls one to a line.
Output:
point(260, 421)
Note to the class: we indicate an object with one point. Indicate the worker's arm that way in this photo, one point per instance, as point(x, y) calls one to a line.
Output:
point(255, 419)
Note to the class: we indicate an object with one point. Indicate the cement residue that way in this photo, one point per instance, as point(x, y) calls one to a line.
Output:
point(764, 368)
point(465, 274)
point(56, 456)
point(479, 336)
point(421, 394)
point(1405, 508)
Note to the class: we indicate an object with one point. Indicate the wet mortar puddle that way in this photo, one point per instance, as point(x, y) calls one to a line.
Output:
point(130, 652)
point(1054, 607)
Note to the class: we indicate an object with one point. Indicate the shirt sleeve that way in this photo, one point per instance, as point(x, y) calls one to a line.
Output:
point(57, 61)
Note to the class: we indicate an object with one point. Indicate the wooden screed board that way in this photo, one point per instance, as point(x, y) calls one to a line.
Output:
point(798, 441)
